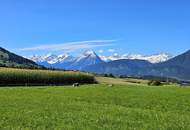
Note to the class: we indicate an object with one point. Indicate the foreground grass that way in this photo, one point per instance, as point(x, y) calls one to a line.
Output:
point(95, 107)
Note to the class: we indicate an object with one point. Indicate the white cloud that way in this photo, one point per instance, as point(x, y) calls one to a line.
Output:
point(71, 46)
point(101, 51)
point(111, 50)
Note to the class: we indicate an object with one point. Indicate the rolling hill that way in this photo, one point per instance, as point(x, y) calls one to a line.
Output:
point(8, 59)
point(120, 67)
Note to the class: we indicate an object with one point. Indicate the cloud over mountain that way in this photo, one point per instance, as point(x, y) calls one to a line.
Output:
point(72, 46)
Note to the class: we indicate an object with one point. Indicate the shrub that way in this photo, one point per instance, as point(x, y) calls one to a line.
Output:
point(105, 75)
point(111, 75)
point(122, 76)
point(154, 83)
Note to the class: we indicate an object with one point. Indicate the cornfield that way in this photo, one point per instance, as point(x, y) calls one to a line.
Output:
point(26, 77)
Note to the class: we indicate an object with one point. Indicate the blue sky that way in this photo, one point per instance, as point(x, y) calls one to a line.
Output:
point(30, 27)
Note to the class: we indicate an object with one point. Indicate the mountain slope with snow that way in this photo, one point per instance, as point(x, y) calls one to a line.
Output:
point(156, 58)
point(67, 61)
point(87, 58)
point(177, 67)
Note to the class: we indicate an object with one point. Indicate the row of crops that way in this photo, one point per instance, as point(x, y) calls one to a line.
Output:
point(26, 77)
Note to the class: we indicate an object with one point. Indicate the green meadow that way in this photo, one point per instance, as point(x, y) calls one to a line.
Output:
point(124, 106)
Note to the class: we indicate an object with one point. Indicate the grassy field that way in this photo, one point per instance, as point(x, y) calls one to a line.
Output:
point(95, 107)
point(121, 81)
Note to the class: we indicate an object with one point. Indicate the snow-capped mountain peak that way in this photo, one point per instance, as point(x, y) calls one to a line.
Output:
point(85, 59)
point(65, 58)
point(36, 58)
point(89, 53)
point(51, 58)
point(156, 58)
point(62, 56)
point(88, 58)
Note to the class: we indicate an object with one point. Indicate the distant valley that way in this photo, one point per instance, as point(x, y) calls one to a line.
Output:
point(162, 65)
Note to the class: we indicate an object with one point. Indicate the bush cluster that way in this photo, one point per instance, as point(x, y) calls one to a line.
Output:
point(109, 75)
point(154, 83)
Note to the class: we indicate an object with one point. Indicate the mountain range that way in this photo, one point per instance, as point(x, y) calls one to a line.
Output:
point(155, 58)
point(177, 67)
point(89, 58)
point(162, 65)
point(67, 61)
